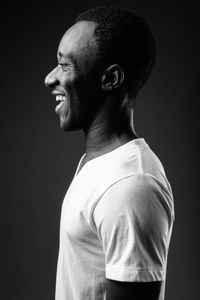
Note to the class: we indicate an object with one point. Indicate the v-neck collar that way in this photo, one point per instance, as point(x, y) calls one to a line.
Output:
point(118, 149)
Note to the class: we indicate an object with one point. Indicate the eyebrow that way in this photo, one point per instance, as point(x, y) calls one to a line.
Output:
point(69, 56)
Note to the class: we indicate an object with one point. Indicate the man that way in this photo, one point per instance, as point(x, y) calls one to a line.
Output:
point(117, 215)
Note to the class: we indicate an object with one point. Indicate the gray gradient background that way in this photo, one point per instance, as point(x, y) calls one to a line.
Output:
point(38, 160)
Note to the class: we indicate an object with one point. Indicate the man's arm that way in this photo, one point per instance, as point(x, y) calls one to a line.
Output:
point(117, 290)
point(133, 220)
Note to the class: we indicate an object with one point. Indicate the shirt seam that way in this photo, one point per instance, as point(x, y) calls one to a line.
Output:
point(127, 176)
point(140, 160)
point(133, 268)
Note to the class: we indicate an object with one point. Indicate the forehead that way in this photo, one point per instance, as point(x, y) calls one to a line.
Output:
point(77, 38)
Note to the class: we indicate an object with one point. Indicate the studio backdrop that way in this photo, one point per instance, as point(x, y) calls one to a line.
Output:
point(39, 160)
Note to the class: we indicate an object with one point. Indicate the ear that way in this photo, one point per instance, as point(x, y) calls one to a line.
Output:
point(112, 78)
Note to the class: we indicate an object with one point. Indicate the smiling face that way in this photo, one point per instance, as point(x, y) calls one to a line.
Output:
point(75, 81)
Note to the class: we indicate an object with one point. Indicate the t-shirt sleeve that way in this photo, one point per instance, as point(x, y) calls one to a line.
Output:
point(133, 221)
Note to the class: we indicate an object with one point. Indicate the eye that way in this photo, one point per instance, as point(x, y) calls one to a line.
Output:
point(64, 66)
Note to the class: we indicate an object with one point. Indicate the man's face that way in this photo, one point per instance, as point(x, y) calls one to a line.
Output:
point(75, 80)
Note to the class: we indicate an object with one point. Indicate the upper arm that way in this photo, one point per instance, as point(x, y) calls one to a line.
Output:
point(133, 225)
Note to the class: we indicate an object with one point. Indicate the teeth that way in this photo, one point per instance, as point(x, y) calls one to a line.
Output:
point(60, 98)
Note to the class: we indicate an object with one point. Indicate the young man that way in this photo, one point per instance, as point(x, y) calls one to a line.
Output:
point(118, 213)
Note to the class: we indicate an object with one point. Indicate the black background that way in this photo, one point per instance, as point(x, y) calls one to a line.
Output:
point(38, 160)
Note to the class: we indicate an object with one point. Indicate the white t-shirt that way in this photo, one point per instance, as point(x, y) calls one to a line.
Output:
point(116, 223)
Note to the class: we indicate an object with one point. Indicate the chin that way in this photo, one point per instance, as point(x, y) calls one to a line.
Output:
point(67, 126)
point(64, 126)
point(65, 122)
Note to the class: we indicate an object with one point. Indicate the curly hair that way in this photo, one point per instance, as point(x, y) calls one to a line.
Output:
point(125, 39)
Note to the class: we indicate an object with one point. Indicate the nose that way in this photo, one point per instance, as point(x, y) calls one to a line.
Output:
point(51, 79)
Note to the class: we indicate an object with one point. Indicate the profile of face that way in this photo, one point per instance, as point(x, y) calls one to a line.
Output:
point(75, 80)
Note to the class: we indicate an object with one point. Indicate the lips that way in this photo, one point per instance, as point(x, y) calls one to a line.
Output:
point(61, 100)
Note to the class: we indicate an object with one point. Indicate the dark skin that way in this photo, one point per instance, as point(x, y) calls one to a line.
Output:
point(116, 290)
point(95, 102)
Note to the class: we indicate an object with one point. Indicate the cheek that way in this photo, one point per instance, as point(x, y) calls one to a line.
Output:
point(82, 92)
point(74, 98)
point(67, 85)
point(67, 78)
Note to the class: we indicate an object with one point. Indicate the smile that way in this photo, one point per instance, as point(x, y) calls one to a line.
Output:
point(60, 98)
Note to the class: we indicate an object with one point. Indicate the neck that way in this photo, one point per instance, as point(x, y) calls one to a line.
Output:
point(111, 128)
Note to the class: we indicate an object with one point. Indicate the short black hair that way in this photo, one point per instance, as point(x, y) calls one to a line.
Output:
point(125, 39)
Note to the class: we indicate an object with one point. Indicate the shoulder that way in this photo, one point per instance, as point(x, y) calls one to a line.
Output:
point(134, 188)
point(139, 199)
point(139, 196)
